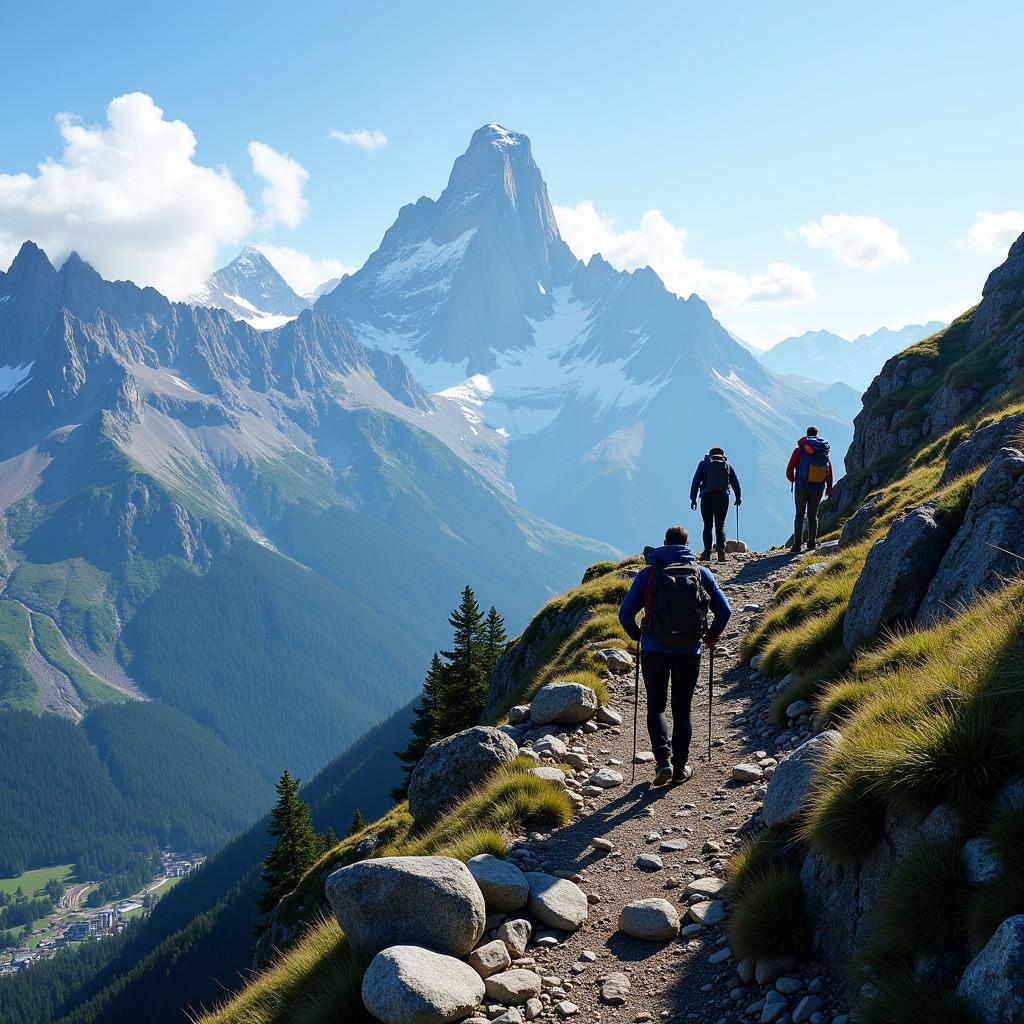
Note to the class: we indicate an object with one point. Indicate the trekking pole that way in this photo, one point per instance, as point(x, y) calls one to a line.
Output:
point(636, 705)
point(711, 693)
point(737, 524)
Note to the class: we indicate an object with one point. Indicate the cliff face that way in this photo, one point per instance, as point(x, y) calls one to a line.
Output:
point(933, 386)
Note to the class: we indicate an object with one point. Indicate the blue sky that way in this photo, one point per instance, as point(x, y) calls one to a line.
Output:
point(800, 166)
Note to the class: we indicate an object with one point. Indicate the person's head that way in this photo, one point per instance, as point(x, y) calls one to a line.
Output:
point(717, 451)
point(812, 431)
point(677, 535)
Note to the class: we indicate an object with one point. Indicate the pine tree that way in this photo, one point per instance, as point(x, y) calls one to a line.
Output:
point(495, 639)
point(426, 724)
point(465, 692)
point(297, 846)
point(358, 823)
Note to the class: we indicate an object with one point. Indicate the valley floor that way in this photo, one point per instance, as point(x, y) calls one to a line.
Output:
point(691, 979)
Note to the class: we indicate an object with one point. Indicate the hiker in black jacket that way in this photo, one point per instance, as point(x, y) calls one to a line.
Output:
point(713, 479)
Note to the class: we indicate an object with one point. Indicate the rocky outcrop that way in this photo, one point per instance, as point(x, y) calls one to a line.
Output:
point(791, 783)
point(411, 985)
point(987, 548)
point(1002, 295)
point(982, 447)
point(859, 525)
point(993, 983)
point(395, 901)
point(895, 576)
point(563, 704)
point(453, 767)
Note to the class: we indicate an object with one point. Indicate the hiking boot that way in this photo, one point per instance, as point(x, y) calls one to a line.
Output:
point(663, 775)
point(812, 545)
point(721, 556)
point(684, 774)
point(795, 549)
point(705, 555)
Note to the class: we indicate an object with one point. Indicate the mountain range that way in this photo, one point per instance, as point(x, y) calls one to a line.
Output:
point(829, 358)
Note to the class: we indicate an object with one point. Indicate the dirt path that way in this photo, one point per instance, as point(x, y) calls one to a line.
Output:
point(674, 980)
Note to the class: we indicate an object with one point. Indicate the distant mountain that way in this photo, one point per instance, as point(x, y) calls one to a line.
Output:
point(264, 530)
point(608, 387)
point(323, 289)
point(827, 357)
point(251, 289)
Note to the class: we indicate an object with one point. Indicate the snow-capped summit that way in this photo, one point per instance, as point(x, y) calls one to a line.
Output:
point(251, 289)
point(605, 383)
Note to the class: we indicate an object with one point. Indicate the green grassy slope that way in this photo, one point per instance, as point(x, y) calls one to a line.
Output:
point(18, 689)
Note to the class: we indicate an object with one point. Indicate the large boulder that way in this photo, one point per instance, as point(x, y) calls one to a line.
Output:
point(563, 704)
point(412, 985)
point(859, 525)
point(504, 886)
point(981, 447)
point(896, 574)
point(395, 901)
point(453, 767)
point(986, 549)
point(557, 902)
point(793, 779)
point(993, 983)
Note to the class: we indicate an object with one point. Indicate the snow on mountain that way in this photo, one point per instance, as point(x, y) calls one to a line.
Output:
point(607, 387)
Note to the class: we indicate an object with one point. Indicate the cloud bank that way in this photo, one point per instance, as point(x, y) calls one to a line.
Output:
point(662, 246)
point(867, 243)
point(994, 233)
point(282, 198)
point(370, 139)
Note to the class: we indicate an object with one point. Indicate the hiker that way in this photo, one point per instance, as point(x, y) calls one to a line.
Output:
point(713, 478)
point(810, 473)
point(674, 593)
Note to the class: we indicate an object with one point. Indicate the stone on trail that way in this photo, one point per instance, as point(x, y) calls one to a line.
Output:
point(797, 708)
point(674, 845)
point(548, 773)
point(649, 862)
point(513, 988)
point(519, 714)
point(563, 704)
point(516, 936)
point(566, 1008)
point(490, 958)
point(768, 968)
point(602, 844)
point(775, 1005)
point(606, 778)
point(412, 985)
point(643, 757)
point(550, 745)
point(807, 1006)
point(614, 988)
point(747, 773)
point(709, 887)
point(395, 901)
point(608, 715)
point(654, 920)
point(557, 902)
point(533, 1009)
point(709, 913)
point(504, 886)
point(993, 982)
point(453, 767)
point(618, 661)
point(792, 780)
point(510, 1016)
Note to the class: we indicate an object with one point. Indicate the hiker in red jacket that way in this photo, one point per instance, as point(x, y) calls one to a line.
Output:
point(810, 472)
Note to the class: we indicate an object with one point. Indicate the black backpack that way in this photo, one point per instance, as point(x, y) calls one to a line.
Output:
point(676, 604)
point(716, 475)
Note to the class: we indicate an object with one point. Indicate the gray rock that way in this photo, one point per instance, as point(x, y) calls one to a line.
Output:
point(606, 778)
point(895, 577)
point(993, 982)
point(981, 861)
point(807, 1006)
point(615, 988)
point(513, 988)
point(563, 704)
point(504, 886)
point(980, 557)
point(395, 901)
point(643, 757)
point(859, 525)
point(654, 920)
point(412, 985)
point(981, 447)
point(674, 845)
point(649, 862)
point(490, 958)
point(533, 1009)
point(557, 902)
point(519, 715)
point(548, 773)
point(452, 768)
point(747, 773)
point(709, 913)
point(788, 986)
point(793, 779)
point(619, 662)
point(550, 745)
point(516, 936)
point(768, 968)
point(709, 887)
point(608, 715)
point(774, 1006)
point(797, 708)
point(510, 1016)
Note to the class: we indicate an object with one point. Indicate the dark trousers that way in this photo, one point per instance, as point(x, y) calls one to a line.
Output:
point(714, 508)
point(807, 503)
point(682, 670)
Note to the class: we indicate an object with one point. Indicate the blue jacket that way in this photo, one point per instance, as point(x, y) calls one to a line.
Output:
point(633, 603)
point(699, 476)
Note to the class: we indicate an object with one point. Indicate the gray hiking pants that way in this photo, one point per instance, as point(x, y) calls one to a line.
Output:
point(807, 503)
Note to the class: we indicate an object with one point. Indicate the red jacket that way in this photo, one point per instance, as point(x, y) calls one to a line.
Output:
point(794, 461)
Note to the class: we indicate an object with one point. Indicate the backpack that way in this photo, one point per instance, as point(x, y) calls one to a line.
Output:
point(716, 474)
point(812, 470)
point(676, 604)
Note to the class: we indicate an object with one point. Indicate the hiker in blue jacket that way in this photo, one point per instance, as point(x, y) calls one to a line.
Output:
point(713, 479)
point(662, 663)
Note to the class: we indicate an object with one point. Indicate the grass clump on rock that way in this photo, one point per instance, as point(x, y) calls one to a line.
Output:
point(904, 998)
point(769, 918)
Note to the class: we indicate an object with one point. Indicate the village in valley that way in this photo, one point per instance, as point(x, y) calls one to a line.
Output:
point(70, 920)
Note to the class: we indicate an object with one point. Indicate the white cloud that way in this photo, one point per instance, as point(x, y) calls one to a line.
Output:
point(370, 139)
point(129, 197)
point(856, 241)
point(282, 199)
point(661, 246)
point(303, 273)
point(994, 233)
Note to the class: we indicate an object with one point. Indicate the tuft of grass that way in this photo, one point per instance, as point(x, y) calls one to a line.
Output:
point(809, 683)
point(770, 919)
point(598, 569)
point(753, 862)
point(318, 981)
point(952, 505)
point(922, 910)
point(803, 646)
point(845, 819)
point(904, 998)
